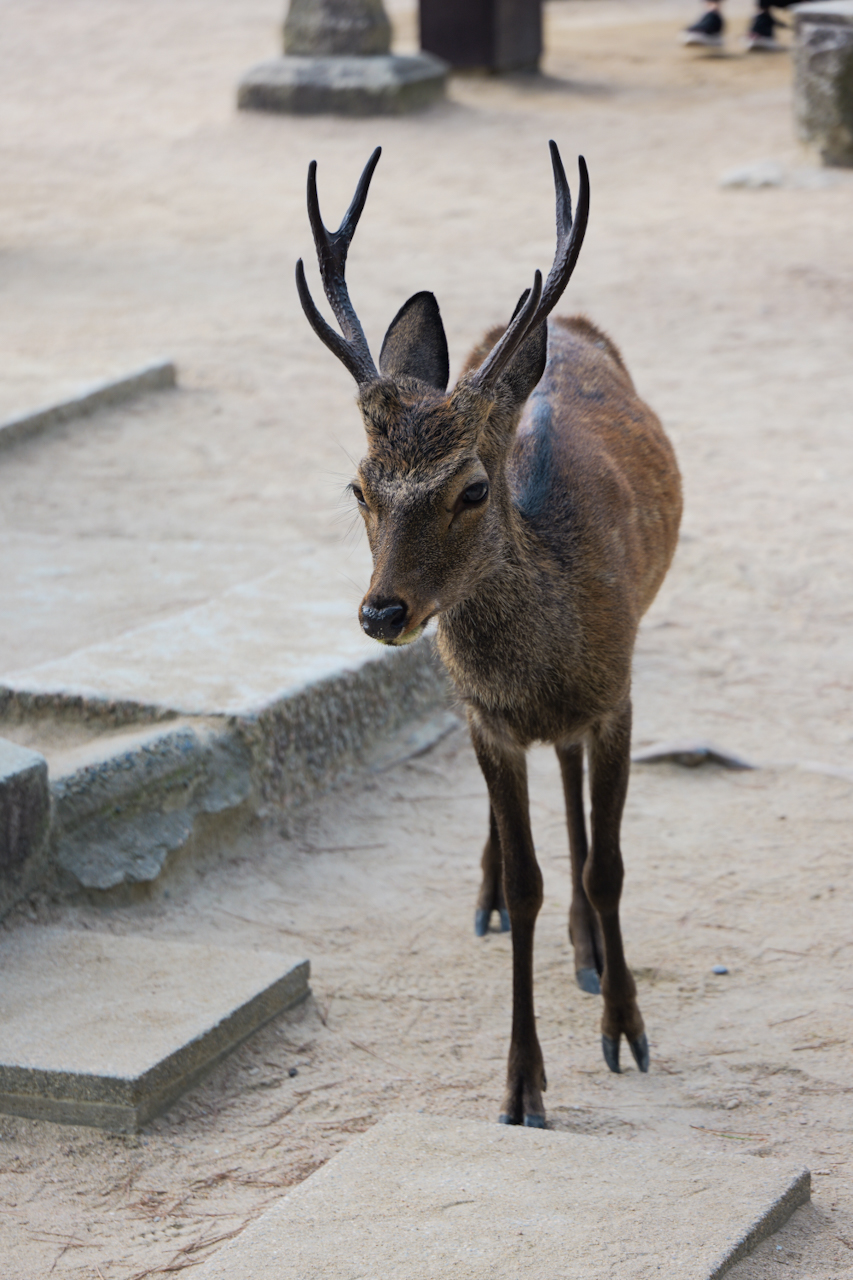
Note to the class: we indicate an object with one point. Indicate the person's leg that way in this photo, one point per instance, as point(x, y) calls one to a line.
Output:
point(761, 36)
point(708, 30)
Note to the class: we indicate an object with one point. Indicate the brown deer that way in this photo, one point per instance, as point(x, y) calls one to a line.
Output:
point(533, 511)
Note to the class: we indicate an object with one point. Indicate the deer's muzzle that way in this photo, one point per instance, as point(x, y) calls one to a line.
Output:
point(384, 621)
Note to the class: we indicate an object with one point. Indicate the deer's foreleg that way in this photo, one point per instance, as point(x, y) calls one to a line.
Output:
point(609, 756)
point(584, 927)
point(505, 770)
point(491, 896)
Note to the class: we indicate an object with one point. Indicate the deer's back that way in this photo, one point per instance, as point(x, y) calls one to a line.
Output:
point(592, 466)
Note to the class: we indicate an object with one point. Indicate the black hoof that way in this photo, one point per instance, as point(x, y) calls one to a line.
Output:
point(481, 922)
point(588, 981)
point(504, 915)
point(534, 1122)
point(610, 1049)
point(640, 1050)
point(504, 1118)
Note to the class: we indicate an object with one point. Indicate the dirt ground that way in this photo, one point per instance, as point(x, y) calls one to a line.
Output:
point(141, 215)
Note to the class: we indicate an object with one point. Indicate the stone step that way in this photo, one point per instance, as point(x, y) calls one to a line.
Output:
point(157, 376)
point(420, 1196)
point(108, 1031)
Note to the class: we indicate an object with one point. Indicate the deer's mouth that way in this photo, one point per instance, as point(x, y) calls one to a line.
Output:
point(409, 637)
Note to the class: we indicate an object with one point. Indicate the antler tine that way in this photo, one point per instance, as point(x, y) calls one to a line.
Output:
point(346, 353)
point(570, 234)
point(352, 350)
point(515, 333)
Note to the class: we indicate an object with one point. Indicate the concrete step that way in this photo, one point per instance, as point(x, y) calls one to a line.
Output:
point(420, 1196)
point(108, 1031)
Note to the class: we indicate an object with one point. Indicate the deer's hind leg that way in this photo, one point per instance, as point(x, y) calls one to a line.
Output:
point(491, 896)
point(609, 761)
point(584, 927)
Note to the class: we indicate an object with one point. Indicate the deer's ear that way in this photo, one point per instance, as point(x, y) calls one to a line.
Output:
point(415, 345)
point(526, 367)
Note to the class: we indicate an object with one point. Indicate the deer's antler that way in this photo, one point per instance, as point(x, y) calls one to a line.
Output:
point(351, 349)
point(540, 301)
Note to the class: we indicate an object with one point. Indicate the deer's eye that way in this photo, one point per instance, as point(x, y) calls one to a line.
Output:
point(475, 493)
point(358, 494)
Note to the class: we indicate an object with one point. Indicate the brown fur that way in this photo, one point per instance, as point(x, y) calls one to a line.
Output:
point(538, 592)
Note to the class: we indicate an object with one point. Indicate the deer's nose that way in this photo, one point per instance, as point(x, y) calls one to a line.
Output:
point(383, 621)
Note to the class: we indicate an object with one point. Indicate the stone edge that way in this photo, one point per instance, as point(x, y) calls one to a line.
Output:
point(152, 377)
point(797, 1193)
point(167, 797)
point(127, 1105)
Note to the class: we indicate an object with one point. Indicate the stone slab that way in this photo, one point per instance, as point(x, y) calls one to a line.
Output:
point(24, 819)
point(107, 1031)
point(353, 86)
point(420, 1196)
point(100, 395)
point(235, 654)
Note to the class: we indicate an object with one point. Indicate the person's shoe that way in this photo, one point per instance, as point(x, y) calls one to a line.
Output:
point(707, 31)
point(761, 37)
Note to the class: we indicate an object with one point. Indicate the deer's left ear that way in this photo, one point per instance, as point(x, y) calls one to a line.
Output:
point(415, 345)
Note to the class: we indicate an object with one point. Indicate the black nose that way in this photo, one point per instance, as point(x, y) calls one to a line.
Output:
point(384, 623)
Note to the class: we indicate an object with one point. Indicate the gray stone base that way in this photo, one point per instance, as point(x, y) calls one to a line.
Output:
point(350, 86)
point(108, 1031)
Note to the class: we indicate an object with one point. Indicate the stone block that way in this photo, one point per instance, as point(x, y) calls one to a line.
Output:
point(324, 28)
point(421, 1196)
point(108, 1031)
point(24, 818)
point(344, 85)
point(823, 78)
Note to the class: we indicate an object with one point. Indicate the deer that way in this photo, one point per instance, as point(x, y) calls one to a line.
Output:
point(533, 512)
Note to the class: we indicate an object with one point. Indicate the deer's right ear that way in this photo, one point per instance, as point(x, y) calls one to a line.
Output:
point(415, 345)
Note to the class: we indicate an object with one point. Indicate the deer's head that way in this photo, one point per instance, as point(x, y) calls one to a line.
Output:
point(432, 488)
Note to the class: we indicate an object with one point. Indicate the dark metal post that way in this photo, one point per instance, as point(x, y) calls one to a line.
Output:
point(483, 35)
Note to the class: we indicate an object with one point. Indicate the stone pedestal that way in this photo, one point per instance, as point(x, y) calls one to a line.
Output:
point(823, 78)
point(484, 35)
point(337, 59)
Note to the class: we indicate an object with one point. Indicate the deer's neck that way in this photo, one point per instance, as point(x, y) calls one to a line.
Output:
point(500, 644)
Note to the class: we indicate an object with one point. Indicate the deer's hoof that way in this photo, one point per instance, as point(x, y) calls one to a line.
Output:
point(483, 917)
point(506, 1118)
point(610, 1049)
point(640, 1050)
point(588, 981)
point(534, 1122)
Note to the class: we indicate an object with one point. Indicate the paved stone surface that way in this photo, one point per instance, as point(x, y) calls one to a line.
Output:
point(351, 86)
point(823, 78)
point(24, 817)
point(418, 1196)
point(107, 1031)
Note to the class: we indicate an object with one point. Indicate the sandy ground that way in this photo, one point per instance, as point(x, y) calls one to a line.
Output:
point(141, 215)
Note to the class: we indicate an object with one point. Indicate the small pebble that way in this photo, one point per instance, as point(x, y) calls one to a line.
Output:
point(293, 1072)
point(719, 968)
